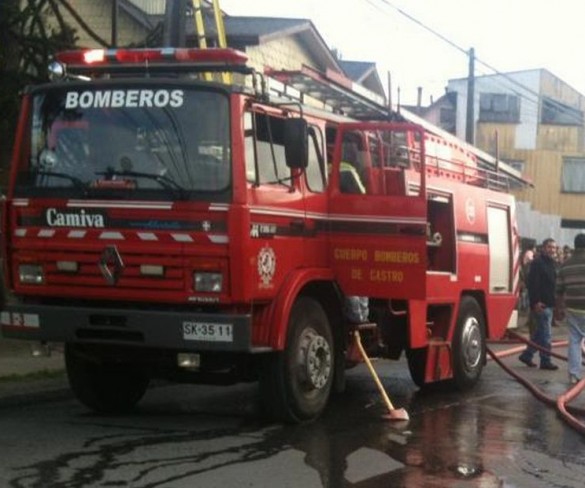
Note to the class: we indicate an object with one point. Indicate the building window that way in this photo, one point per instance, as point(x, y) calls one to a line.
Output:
point(554, 112)
point(517, 164)
point(573, 177)
point(499, 107)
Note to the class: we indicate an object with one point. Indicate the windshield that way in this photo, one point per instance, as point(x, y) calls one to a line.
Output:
point(134, 140)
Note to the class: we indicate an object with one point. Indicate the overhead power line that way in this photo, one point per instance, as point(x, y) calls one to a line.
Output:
point(538, 98)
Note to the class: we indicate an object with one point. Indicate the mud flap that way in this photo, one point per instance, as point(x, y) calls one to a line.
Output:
point(439, 362)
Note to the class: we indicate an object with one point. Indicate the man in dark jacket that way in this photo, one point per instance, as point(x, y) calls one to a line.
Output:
point(571, 302)
point(541, 286)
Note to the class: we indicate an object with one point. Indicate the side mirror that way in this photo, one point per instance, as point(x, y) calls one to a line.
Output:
point(296, 143)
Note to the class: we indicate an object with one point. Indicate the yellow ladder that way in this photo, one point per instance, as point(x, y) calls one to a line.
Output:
point(200, 30)
point(199, 24)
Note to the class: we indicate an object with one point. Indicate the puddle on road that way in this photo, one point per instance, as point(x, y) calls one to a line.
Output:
point(480, 439)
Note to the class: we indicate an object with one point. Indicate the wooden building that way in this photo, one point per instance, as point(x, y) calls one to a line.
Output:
point(268, 41)
point(535, 122)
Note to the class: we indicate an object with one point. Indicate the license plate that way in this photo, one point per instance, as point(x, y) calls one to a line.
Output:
point(207, 332)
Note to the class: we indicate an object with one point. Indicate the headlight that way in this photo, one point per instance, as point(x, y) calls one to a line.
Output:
point(31, 274)
point(152, 270)
point(68, 266)
point(207, 282)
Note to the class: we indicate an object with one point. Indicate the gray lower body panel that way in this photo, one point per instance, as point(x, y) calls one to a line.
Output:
point(129, 327)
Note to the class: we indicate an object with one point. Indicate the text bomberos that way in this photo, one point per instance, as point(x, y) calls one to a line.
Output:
point(124, 99)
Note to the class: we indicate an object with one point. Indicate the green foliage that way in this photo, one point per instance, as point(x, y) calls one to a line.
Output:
point(30, 33)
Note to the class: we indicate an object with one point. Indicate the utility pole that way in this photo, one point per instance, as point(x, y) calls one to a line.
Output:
point(174, 26)
point(390, 91)
point(470, 122)
point(115, 23)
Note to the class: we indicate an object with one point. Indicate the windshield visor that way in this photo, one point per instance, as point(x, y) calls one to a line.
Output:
point(139, 139)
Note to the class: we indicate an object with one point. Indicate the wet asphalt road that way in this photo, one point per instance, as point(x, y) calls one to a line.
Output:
point(497, 435)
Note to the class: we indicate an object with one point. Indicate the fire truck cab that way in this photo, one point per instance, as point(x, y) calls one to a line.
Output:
point(162, 223)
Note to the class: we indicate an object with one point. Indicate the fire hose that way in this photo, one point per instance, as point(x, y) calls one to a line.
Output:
point(566, 412)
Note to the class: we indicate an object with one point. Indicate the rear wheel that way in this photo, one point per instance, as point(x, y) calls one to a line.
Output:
point(296, 383)
point(104, 387)
point(469, 344)
point(417, 362)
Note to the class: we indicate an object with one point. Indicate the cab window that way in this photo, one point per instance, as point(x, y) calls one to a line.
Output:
point(264, 147)
point(316, 173)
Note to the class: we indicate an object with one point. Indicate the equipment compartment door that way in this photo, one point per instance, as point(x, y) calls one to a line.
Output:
point(378, 210)
point(500, 250)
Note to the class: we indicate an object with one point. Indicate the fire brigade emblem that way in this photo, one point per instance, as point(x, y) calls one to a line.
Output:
point(111, 264)
point(266, 265)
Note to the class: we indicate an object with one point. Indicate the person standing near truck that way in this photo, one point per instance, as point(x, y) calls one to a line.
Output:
point(571, 303)
point(541, 284)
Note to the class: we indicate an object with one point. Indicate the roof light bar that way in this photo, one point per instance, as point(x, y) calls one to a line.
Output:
point(157, 55)
point(140, 55)
point(94, 56)
point(211, 55)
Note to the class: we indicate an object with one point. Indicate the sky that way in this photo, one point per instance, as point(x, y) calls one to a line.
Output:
point(507, 35)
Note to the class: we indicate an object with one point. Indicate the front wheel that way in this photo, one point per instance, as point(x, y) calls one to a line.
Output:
point(296, 383)
point(104, 387)
point(469, 344)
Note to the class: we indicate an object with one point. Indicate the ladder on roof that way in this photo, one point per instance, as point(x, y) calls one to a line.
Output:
point(356, 101)
point(200, 31)
point(334, 90)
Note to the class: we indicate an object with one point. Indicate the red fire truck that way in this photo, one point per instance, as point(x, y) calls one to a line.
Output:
point(162, 223)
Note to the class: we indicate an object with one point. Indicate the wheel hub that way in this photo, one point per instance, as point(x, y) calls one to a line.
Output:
point(317, 361)
point(471, 343)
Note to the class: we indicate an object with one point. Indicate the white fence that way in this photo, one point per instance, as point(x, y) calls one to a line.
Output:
point(535, 225)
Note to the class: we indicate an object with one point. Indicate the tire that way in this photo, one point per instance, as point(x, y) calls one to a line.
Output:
point(417, 362)
point(469, 345)
point(104, 387)
point(295, 384)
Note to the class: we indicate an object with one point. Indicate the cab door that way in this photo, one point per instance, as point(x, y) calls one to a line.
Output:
point(378, 226)
point(275, 205)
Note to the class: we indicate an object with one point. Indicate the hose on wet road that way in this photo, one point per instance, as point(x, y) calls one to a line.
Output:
point(561, 403)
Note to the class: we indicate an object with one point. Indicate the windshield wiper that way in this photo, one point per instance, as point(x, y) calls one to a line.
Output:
point(164, 181)
point(80, 185)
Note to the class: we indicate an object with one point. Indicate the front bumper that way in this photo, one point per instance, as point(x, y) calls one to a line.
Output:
point(125, 327)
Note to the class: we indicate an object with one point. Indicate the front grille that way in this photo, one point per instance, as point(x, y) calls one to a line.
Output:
point(89, 273)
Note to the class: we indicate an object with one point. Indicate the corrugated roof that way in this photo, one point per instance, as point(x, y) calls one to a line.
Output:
point(243, 31)
point(249, 31)
point(263, 28)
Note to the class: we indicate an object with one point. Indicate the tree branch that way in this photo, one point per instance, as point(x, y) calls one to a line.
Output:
point(87, 29)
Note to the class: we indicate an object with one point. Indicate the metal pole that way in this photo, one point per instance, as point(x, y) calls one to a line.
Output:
point(389, 90)
point(470, 123)
point(115, 5)
point(174, 26)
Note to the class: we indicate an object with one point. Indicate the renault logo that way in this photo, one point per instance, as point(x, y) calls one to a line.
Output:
point(111, 264)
